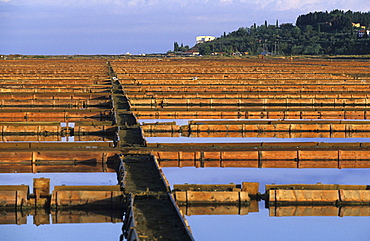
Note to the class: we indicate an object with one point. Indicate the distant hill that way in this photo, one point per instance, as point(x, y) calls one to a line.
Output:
point(331, 33)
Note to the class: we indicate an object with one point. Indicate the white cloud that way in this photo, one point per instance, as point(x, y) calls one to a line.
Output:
point(310, 5)
point(88, 2)
point(252, 5)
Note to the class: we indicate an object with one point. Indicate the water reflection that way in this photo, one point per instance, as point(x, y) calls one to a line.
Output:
point(60, 225)
point(260, 225)
point(42, 216)
point(250, 140)
point(55, 138)
point(61, 232)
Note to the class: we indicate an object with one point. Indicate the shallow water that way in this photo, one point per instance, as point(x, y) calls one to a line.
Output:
point(259, 225)
point(254, 226)
point(59, 232)
point(248, 140)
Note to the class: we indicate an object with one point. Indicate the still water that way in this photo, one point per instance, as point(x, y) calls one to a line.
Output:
point(59, 232)
point(253, 226)
point(259, 225)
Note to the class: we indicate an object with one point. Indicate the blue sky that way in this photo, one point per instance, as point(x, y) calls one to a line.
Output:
point(138, 26)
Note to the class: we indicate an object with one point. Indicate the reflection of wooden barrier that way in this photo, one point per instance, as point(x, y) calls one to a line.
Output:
point(87, 196)
point(278, 126)
point(252, 113)
point(86, 216)
point(54, 131)
point(302, 194)
point(55, 115)
point(261, 128)
point(12, 217)
point(343, 211)
point(149, 97)
point(264, 134)
point(215, 194)
point(214, 209)
point(24, 161)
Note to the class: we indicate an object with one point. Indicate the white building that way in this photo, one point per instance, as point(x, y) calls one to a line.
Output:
point(202, 39)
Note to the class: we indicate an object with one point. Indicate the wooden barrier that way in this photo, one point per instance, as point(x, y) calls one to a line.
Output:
point(15, 95)
point(283, 128)
point(72, 104)
point(283, 197)
point(249, 102)
point(217, 194)
point(251, 89)
point(14, 195)
point(263, 155)
point(72, 196)
point(317, 194)
point(31, 161)
point(88, 196)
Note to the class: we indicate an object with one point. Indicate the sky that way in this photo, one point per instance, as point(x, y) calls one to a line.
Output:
point(53, 27)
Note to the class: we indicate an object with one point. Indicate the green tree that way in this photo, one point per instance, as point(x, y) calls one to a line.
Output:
point(205, 49)
point(175, 46)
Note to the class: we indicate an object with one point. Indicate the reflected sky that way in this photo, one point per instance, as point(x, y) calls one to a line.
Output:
point(58, 179)
point(259, 226)
point(60, 232)
point(185, 121)
point(248, 140)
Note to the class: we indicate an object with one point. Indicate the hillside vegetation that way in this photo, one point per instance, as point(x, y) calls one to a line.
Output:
point(331, 33)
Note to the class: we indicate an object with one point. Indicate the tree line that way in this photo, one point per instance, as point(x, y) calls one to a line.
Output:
point(329, 33)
